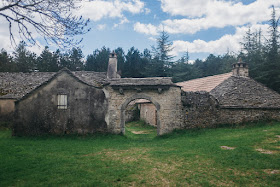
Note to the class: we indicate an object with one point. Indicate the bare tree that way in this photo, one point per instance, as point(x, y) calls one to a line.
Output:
point(52, 19)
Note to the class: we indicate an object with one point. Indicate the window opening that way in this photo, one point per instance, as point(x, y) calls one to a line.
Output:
point(62, 101)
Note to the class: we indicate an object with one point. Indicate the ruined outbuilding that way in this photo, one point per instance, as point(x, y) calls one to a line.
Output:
point(82, 102)
point(228, 98)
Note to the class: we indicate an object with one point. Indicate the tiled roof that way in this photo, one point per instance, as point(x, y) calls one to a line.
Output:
point(91, 77)
point(244, 92)
point(152, 81)
point(17, 85)
point(203, 84)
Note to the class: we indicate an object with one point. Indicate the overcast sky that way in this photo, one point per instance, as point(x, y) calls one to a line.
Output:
point(198, 26)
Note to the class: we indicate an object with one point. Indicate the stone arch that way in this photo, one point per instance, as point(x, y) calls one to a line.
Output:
point(134, 97)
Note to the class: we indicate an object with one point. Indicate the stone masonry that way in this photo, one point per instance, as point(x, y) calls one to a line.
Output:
point(97, 101)
point(167, 104)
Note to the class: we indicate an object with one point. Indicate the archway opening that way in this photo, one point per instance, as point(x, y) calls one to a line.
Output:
point(140, 117)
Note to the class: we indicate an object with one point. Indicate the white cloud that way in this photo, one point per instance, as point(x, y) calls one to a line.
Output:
point(199, 8)
point(204, 14)
point(185, 7)
point(123, 21)
point(98, 9)
point(220, 46)
point(37, 49)
point(101, 27)
point(152, 39)
point(147, 11)
point(6, 42)
point(146, 28)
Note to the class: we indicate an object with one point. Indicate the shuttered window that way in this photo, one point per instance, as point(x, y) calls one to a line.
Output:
point(62, 101)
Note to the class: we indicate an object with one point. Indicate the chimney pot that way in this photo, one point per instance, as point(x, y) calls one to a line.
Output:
point(240, 69)
point(112, 66)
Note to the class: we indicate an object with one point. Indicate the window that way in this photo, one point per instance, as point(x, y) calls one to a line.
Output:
point(62, 101)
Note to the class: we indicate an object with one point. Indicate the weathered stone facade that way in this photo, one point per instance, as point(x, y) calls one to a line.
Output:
point(87, 102)
point(7, 107)
point(167, 104)
point(93, 105)
point(38, 112)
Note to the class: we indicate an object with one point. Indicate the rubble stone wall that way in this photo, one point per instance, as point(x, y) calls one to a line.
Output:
point(201, 110)
point(229, 116)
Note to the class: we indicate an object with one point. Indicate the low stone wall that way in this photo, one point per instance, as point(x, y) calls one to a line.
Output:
point(201, 110)
point(242, 115)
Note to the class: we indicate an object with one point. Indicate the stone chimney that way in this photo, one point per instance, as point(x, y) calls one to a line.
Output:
point(112, 66)
point(240, 69)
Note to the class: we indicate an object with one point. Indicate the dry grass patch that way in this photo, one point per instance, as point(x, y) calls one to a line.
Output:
point(269, 145)
point(264, 151)
point(227, 147)
point(124, 156)
point(141, 132)
point(272, 171)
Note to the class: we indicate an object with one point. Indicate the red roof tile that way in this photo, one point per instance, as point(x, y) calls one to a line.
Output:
point(204, 84)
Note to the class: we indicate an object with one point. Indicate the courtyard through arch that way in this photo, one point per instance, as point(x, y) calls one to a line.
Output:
point(138, 100)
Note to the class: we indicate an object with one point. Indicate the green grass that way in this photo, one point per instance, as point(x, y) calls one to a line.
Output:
point(182, 158)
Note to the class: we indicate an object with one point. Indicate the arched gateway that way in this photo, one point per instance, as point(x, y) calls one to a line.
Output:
point(139, 96)
point(165, 95)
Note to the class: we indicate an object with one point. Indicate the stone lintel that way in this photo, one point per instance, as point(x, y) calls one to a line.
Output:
point(160, 88)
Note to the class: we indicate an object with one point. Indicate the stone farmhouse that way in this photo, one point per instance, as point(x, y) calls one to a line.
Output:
point(82, 102)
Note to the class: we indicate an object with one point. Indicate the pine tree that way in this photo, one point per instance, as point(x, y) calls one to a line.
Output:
point(6, 62)
point(270, 74)
point(24, 59)
point(132, 66)
point(161, 63)
point(47, 61)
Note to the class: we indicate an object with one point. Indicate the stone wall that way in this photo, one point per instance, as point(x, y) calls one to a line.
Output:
point(38, 113)
point(7, 107)
point(131, 113)
point(167, 102)
point(148, 113)
point(242, 115)
point(201, 110)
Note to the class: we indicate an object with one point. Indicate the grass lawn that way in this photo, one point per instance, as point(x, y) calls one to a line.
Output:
point(251, 157)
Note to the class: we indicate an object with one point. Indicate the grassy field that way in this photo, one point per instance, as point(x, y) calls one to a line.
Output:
point(250, 156)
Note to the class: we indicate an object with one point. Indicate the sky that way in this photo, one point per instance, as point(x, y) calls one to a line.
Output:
point(201, 27)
